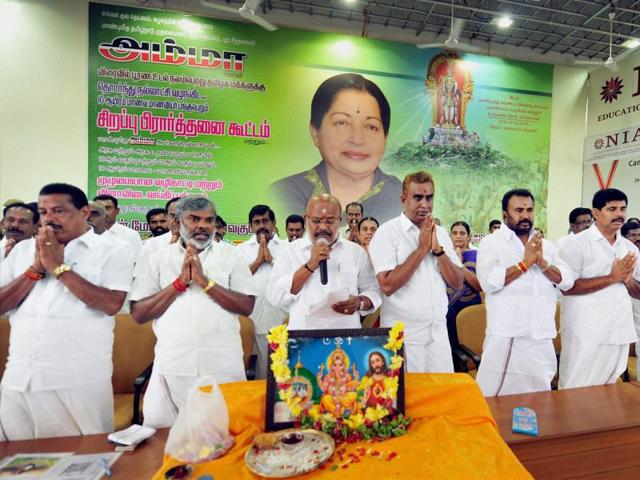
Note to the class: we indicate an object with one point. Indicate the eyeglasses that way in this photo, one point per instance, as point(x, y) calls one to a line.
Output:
point(327, 221)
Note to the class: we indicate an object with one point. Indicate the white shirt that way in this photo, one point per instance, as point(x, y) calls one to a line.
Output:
point(57, 341)
point(154, 243)
point(125, 233)
point(561, 241)
point(195, 335)
point(605, 316)
point(349, 272)
point(527, 306)
point(3, 245)
point(264, 314)
point(422, 301)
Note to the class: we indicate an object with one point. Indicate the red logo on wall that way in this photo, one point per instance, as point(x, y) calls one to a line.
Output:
point(612, 171)
point(611, 89)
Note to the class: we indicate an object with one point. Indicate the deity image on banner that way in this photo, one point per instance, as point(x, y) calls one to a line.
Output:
point(450, 87)
point(340, 376)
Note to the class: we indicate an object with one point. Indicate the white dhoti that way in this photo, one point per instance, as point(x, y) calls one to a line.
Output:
point(432, 357)
point(516, 365)
point(84, 410)
point(584, 363)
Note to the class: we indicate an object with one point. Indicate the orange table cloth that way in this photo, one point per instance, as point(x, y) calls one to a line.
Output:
point(453, 436)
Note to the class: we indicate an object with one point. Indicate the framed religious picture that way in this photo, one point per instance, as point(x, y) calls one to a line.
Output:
point(347, 381)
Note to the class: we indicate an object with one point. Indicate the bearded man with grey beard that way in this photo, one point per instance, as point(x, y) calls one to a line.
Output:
point(193, 291)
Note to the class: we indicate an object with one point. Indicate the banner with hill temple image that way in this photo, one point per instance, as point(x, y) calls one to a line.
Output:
point(191, 105)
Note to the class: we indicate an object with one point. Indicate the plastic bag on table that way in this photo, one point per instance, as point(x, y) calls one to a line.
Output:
point(201, 431)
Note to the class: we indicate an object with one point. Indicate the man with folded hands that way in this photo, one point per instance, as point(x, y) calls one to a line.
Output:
point(193, 290)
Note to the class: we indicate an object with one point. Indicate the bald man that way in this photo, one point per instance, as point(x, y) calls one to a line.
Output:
point(351, 289)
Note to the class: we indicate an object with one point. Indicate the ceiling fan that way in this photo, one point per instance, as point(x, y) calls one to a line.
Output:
point(247, 11)
point(610, 62)
point(452, 42)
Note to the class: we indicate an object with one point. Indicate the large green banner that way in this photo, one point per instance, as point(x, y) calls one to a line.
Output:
point(191, 105)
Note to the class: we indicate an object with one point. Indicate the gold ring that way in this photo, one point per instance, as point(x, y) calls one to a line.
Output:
point(47, 243)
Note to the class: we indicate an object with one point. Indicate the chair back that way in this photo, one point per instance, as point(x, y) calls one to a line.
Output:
point(472, 324)
point(246, 334)
point(5, 330)
point(132, 352)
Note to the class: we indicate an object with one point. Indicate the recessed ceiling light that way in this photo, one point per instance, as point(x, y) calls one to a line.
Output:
point(631, 43)
point(504, 22)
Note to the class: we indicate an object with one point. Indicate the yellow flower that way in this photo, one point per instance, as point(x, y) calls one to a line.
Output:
point(280, 355)
point(295, 405)
point(281, 372)
point(396, 337)
point(390, 386)
point(396, 362)
point(278, 335)
point(354, 421)
point(365, 383)
point(314, 412)
point(375, 414)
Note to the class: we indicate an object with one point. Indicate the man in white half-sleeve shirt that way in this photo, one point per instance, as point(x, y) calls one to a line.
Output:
point(412, 258)
point(597, 312)
point(161, 241)
point(193, 290)
point(350, 289)
point(20, 222)
point(61, 291)
point(260, 251)
point(518, 269)
point(117, 229)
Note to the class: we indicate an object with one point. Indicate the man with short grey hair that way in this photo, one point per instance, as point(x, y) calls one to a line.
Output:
point(193, 291)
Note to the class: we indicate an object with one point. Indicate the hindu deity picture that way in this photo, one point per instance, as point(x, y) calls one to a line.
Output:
point(341, 373)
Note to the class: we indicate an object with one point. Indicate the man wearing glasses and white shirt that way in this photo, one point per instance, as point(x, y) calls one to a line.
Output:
point(349, 288)
point(412, 258)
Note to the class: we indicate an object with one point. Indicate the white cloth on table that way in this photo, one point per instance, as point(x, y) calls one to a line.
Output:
point(348, 270)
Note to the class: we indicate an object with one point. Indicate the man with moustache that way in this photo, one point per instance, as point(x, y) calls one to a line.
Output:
point(115, 229)
point(161, 241)
point(413, 258)
point(580, 219)
point(61, 291)
point(294, 225)
point(351, 288)
point(517, 270)
point(20, 222)
point(220, 229)
point(259, 252)
point(157, 221)
point(193, 291)
point(354, 212)
point(97, 217)
point(597, 312)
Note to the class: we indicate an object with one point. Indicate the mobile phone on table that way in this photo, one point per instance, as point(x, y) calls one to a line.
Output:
point(524, 421)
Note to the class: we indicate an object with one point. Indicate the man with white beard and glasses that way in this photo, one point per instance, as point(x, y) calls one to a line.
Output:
point(193, 290)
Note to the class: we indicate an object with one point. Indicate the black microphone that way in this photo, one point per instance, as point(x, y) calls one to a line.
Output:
point(324, 275)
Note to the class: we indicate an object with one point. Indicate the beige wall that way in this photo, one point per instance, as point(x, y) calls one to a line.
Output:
point(43, 107)
point(43, 95)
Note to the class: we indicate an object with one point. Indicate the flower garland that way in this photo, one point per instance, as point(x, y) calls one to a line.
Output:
point(379, 422)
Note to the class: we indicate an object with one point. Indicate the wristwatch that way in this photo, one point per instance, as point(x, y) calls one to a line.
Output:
point(60, 269)
point(440, 253)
